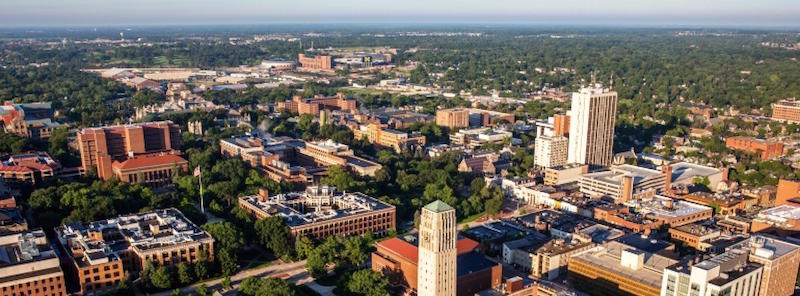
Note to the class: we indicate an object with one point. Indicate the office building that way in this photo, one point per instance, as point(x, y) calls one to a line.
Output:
point(321, 211)
point(786, 111)
point(107, 149)
point(623, 183)
point(33, 121)
point(765, 149)
point(29, 266)
point(729, 273)
point(320, 62)
point(591, 126)
point(381, 136)
point(437, 250)
point(100, 253)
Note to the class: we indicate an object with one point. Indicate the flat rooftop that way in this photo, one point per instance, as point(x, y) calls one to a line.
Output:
point(608, 257)
point(666, 208)
point(767, 247)
point(616, 173)
point(316, 204)
point(781, 213)
point(151, 230)
point(20, 248)
point(684, 170)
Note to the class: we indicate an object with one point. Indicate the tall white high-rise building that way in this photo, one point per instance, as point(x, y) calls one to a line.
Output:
point(550, 146)
point(436, 275)
point(591, 128)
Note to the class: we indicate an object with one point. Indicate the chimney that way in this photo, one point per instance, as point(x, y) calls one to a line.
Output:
point(646, 232)
point(725, 172)
point(263, 194)
point(667, 170)
point(627, 188)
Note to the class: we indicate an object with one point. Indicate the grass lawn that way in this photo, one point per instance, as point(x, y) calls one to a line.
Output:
point(471, 218)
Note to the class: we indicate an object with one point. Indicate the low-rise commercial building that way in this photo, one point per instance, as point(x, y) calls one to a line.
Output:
point(623, 183)
point(29, 266)
point(686, 173)
point(321, 211)
point(694, 234)
point(615, 268)
point(561, 175)
point(100, 253)
point(477, 137)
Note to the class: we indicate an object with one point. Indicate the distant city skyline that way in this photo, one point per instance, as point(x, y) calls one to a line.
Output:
point(780, 13)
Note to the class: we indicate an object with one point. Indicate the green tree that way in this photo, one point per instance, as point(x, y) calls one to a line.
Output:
point(367, 282)
point(185, 273)
point(226, 235)
point(303, 246)
point(161, 278)
point(274, 234)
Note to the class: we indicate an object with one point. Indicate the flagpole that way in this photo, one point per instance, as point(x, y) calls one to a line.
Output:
point(202, 207)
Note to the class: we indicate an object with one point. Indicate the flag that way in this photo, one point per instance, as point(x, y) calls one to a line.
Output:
point(197, 171)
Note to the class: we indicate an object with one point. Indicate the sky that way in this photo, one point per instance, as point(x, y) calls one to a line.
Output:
point(23, 13)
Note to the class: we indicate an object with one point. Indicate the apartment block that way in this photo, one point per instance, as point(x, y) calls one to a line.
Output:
point(321, 211)
point(591, 126)
point(780, 260)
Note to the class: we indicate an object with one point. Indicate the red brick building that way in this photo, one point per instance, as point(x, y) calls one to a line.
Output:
point(763, 148)
point(109, 148)
point(397, 260)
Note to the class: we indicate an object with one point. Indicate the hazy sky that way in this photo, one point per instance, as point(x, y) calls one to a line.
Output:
point(657, 12)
